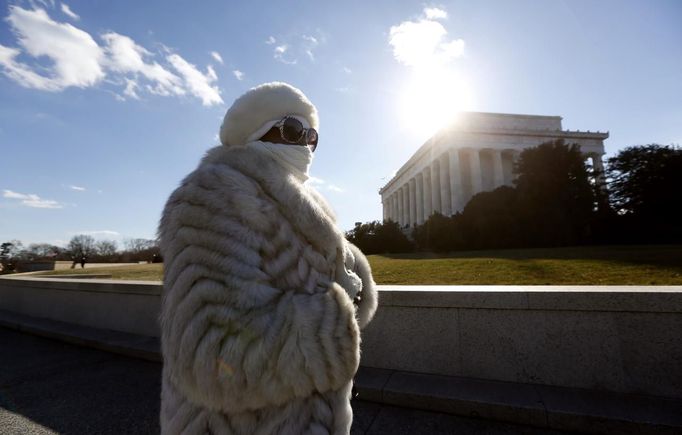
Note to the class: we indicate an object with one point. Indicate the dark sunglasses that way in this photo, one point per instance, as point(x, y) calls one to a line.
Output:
point(292, 131)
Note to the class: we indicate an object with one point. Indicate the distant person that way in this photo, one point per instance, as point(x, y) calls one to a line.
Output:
point(263, 297)
point(83, 262)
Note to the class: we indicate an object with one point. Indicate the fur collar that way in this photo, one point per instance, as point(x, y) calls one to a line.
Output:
point(300, 204)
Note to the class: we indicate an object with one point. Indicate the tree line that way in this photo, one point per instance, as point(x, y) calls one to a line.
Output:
point(557, 200)
point(81, 247)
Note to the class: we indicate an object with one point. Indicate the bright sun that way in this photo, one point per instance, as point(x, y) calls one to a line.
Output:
point(432, 99)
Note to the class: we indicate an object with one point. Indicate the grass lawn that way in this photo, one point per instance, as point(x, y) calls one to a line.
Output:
point(140, 272)
point(591, 265)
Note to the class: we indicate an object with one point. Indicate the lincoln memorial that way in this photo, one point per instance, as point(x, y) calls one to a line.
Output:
point(475, 154)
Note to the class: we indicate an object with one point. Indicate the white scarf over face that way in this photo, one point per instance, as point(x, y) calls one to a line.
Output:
point(295, 159)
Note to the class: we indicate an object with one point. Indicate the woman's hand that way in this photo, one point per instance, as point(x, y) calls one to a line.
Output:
point(345, 276)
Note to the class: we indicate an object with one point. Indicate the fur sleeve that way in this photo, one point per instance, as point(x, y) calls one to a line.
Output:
point(237, 333)
point(321, 202)
point(370, 300)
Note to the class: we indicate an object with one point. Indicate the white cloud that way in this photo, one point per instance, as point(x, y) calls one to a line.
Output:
point(31, 200)
point(107, 233)
point(238, 74)
point(36, 202)
point(321, 184)
point(76, 58)
point(71, 14)
point(452, 49)
point(198, 83)
point(13, 195)
point(77, 188)
point(45, 3)
point(78, 61)
point(130, 90)
point(309, 44)
point(218, 58)
point(290, 52)
point(347, 70)
point(344, 89)
point(423, 42)
point(280, 52)
point(435, 13)
point(22, 74)
point(126, 57)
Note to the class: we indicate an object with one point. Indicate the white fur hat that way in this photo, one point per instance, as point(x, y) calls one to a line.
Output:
point(254, 113)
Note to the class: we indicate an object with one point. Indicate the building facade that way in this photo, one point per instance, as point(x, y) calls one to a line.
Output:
point(475, 154)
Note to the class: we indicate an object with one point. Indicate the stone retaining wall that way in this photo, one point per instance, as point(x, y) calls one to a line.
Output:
point(128, 306)
point(613, 338)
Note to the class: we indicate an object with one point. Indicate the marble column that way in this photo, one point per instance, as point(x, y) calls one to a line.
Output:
point(419, 199)
point(456, 188)
point(428, 209)
point(384, 206)
point(413, 202)
point(406, 205)
point(390, 207)
point(399, 218)
point(435, 187)
point(398, 205)
point(395, 207)
point(445, 186)
point(475, 169)
point(498, 170)
point(598, 166)
point(508, 167)
point(597, 163)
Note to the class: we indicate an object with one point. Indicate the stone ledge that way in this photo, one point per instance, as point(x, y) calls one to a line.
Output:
point(81, 276)
point(649, 299)
point(559, 408)
point(615, 298)
point(83, 284)
point(541, 406)
point(124, 343)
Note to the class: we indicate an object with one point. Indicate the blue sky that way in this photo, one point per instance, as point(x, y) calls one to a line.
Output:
point(105, 106)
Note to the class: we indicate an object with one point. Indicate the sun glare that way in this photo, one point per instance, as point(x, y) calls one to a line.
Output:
point(432, 99)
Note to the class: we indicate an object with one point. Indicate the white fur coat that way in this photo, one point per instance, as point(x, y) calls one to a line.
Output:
point(259, 334)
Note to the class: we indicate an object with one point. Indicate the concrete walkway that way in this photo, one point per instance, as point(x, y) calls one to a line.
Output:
point(49, 387)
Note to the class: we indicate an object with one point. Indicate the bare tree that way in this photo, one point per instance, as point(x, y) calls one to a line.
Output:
point(135, 246)
point(106, 248)
point(141, 250)
point(82, 245)
point(43, 250)
point(10, 252)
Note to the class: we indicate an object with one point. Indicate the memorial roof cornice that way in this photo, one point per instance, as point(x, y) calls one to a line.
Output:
point(442, 134)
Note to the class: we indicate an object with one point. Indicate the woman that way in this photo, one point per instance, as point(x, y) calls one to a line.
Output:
point(263, 296)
